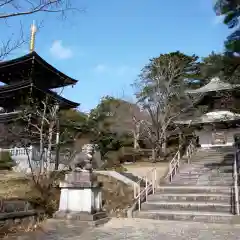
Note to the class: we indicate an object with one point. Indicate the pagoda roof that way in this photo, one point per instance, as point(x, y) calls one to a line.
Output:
point(9, 91)
point(211, 117)
point(32, 67)
point(214, 85)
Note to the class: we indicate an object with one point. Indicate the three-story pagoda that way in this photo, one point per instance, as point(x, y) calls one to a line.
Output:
point(30, 76)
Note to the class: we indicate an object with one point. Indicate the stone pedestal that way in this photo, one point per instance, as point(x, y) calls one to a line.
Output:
point(81, 198)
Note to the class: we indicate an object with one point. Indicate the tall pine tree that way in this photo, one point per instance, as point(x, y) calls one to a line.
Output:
point(230, 9)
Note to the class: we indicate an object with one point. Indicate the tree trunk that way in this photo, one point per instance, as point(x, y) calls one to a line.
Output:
point(180, 144)
point(49, 148)
point(57, 147)
point(136, 138)
point(41, 147)
point(136, 135)
point(164, 144)
point(153, 154)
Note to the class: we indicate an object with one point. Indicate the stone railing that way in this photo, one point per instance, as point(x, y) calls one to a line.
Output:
point(18, 213)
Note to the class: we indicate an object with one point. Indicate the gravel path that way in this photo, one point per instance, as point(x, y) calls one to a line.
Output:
point(134, 229)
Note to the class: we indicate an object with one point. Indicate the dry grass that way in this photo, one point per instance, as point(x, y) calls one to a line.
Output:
point(6, 232)
point(16, 187)
point(117, 196)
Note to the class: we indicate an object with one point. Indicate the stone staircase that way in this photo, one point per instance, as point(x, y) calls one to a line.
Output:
point(200, 191)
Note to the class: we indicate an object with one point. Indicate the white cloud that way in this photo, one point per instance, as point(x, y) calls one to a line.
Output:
point(59, 51)
point(100, 68)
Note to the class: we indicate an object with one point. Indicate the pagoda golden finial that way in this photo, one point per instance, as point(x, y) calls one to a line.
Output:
point(33, 34)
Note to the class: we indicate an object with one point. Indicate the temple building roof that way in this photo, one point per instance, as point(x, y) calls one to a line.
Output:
point(211, 117)
point(214, 85)
point(34, 68)
point(11, 95)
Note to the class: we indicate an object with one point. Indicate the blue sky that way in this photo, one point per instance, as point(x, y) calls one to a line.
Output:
point(106, 46)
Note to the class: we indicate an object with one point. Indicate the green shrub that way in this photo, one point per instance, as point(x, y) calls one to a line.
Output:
point(6, 162)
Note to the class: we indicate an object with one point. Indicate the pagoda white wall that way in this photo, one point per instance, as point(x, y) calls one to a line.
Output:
point(205, 137)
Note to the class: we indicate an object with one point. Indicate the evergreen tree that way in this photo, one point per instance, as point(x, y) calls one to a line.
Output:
point(230, 9)
point(6, 162)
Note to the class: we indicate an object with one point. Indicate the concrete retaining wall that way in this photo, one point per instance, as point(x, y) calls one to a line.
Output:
point(117, 176)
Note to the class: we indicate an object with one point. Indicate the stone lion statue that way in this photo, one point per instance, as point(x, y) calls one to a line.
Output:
point(83, 160)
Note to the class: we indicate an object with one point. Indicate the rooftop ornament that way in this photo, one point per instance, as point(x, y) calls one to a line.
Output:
point(33, 35)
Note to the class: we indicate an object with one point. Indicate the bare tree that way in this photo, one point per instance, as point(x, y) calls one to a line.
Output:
point(124, 116)
point(21, 8)
point(37, 124)
point(16, 8)
point(161, 93)
point(132, 118)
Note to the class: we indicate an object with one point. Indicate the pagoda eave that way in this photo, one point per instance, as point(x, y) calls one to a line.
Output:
point(9, 117)
point(10, 92)
point(32, 66)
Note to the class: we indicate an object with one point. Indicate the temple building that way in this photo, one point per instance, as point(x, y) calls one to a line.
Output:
point(215, 115)
point(30, 76)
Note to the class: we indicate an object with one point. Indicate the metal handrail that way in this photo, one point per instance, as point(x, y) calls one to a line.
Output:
point(236, 188)
point(174, 164)
point(190, 150)
point(150, 179)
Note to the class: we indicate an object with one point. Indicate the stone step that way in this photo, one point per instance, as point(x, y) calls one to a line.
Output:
point(202, 176)
point(219, 158)
point(219, 178)
point(223, 197)
point(194, 171)
point(204, 179)
point(210, 167)
point(211, 217)
point(193, 189)
point(188, 206)
point(227, 176)
point(203, 184)
point(210, 164)
point(213, 156)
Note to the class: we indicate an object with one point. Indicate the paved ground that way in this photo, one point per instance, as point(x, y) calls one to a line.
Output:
point(135, 229)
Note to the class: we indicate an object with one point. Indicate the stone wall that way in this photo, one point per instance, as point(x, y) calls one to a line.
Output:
point(17, 214)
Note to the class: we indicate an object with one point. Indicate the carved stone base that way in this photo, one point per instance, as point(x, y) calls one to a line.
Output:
point(81, 199)
point(83, 217)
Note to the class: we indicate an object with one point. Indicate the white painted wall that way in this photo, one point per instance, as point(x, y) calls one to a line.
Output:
point(205, 137)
